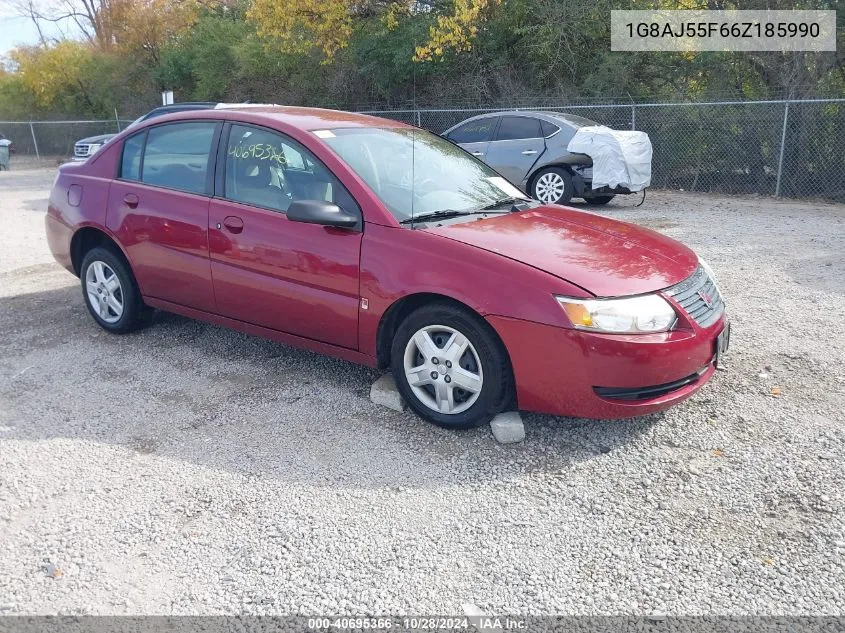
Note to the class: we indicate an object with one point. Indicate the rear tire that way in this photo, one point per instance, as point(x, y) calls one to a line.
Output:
point(110, 291)
point(552, 185)
point(450, 367)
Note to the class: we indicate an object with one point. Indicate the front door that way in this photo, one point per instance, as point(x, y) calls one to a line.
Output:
point(474, 136)
point(158, 209)
point(516, 147)
point(288, 276)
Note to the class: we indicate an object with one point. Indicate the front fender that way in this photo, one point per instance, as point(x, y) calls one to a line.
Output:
point(398, 262)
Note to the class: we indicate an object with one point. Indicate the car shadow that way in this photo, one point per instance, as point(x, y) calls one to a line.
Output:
point(184, 390)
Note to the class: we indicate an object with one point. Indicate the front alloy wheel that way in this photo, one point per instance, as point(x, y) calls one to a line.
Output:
point(443, 369)
point(450, 366)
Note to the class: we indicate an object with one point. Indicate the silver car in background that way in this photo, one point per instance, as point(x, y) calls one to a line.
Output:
point(530, 150)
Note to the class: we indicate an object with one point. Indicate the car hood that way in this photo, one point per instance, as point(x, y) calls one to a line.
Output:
point(102, 138)
point(606, 257)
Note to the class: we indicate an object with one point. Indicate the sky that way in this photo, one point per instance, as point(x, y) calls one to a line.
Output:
point(15, 30)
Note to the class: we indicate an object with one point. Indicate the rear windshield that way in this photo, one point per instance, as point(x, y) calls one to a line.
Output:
point(573, 119)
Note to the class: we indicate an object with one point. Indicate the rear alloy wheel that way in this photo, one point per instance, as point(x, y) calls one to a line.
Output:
point(449, 367)
point(552, 185)
point(105, 294)
point(110, 291)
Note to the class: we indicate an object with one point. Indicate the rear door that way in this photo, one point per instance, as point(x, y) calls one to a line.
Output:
point(158, 208)
point(474, 136)
point(516, 146)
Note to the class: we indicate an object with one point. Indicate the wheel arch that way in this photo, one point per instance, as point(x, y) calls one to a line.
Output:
point(401, 308)
point(88, 237)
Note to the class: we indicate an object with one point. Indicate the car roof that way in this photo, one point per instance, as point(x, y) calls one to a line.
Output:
point(179, 107)
point(306, 119)
point(187, 105)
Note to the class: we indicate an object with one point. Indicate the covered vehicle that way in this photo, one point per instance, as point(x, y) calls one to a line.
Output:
point(5, 149)
point(534, 151)
point(10, 145)
point(87, 147)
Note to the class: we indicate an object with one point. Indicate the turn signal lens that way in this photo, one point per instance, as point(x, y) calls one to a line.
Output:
point(578, 314)
point(632, 315)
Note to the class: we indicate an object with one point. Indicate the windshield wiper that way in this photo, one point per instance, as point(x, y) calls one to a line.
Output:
point(502, 202)
point(447, 213)
point(443, 213)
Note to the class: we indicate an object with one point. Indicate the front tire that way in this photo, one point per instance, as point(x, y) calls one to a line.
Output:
point(552, 185)
point(450, 367)
point(110, 291)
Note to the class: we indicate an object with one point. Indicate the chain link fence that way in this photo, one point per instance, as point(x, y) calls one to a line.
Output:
point(784, 148)
point(53, 140)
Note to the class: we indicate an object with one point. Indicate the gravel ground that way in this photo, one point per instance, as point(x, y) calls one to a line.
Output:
point(187, 469)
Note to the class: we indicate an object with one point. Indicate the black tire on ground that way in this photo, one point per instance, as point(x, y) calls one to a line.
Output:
point(496, 392)
point(598, 200)
point(555, 174)
point(134, 313)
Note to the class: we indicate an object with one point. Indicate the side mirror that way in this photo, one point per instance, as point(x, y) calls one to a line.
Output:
point(321, 212)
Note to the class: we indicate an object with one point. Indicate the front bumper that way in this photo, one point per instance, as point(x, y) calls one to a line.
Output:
point(562, 371)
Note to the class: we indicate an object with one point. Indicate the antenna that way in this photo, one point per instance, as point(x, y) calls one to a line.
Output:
point(413, 129)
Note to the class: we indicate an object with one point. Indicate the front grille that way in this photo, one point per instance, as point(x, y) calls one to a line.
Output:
point(689, 292)
point(80, 150)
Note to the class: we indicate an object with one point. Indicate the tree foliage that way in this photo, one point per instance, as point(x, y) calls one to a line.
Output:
point(50, 73)
point(347, 53)
point(299, 26)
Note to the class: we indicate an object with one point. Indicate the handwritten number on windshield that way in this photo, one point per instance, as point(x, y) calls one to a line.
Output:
point(259, 151)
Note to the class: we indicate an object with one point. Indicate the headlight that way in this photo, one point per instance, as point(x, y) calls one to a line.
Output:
point(92, 149)
point(647, 313)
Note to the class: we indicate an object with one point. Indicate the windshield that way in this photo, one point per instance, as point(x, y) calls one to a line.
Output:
point(415, 172)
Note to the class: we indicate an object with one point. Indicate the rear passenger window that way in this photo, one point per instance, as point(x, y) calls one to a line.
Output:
point(517, 127)
point(474, 131)
point(269, 170)
point(130, 163)
point(176, 156)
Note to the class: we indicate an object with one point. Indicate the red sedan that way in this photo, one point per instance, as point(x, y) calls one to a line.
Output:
point(385, 245)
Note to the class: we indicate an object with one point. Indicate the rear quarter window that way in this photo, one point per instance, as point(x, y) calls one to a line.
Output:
point(130, 162)
point(548, 128)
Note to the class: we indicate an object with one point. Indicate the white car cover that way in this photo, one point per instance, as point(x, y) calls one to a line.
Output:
point(621, 158)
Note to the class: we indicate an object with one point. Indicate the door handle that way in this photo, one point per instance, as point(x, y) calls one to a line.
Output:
point(131, 200)
point(529, 152)
point(478, 153)
point(233, 224)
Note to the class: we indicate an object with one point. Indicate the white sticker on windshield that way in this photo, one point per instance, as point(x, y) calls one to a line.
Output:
point(324, 133)
point(507, 187)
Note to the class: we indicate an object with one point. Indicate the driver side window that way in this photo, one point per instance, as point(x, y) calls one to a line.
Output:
point(269, 170)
